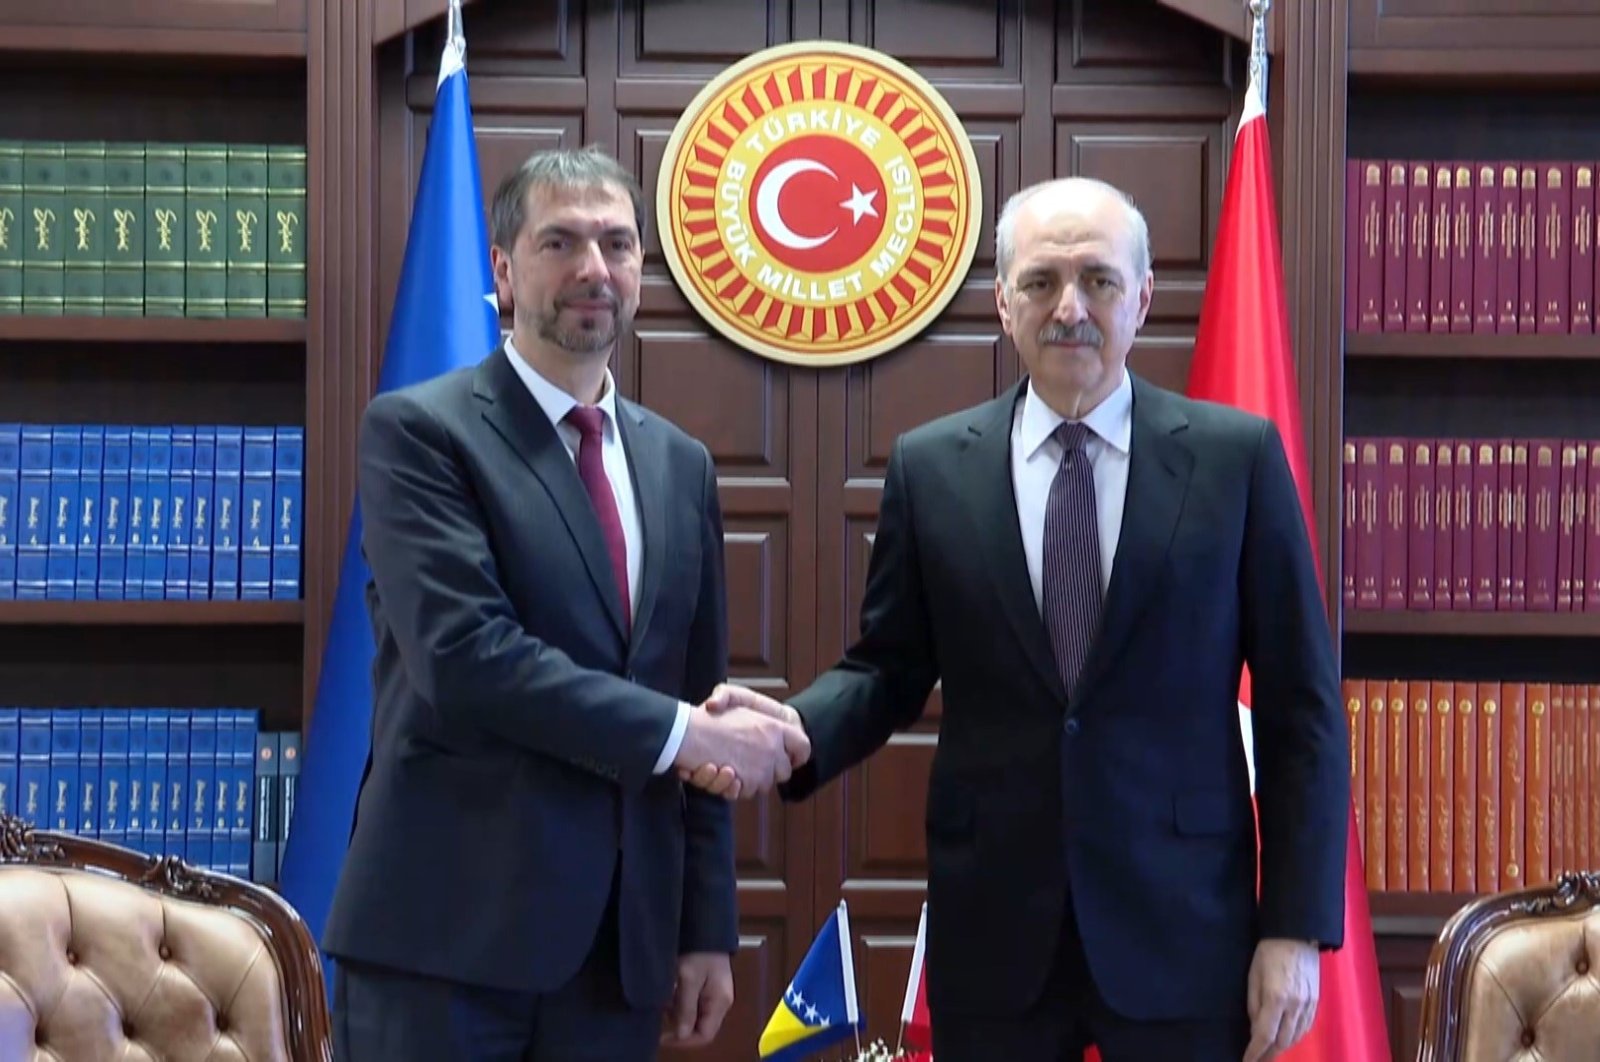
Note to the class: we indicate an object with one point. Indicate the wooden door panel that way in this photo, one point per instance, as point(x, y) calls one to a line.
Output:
point(944, 40)
point(699, 38)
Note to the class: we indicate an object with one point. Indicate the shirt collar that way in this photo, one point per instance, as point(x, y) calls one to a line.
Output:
point(1111, 420)
point(555, 402)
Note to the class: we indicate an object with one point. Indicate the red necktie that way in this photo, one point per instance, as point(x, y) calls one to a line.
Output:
point(589, 420)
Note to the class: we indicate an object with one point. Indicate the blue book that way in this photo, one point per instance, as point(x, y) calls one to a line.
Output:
point(66, 460)
point(178, 794)
point(113, 566)
point(134, 817)
point(91, 488)
point(33, 767)
point(246, 725)
point(288, 786)
point(264, 852)
point(201, 519)
point(33, 511)
point(225, 513)
point(114, 792)
point(10, 468)
point(155, 781)
point(256, 522)
point(138, 511)
point(199, 846)
point(65, 738)
point(288, 478)
point(10, 758)
point(158, 515)
point(91, 735)
point(180, 513)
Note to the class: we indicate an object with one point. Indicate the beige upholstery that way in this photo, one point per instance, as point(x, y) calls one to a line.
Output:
point(1516, 978)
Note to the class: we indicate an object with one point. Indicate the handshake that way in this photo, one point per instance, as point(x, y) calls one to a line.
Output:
point(740, 743)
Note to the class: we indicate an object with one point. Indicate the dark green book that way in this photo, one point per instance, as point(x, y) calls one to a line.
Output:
point(12, 229)
point(166, 230)
point(247, 230)
point(286, 251)
point(125, 225)
point(205, 286)
point(84, 287)
point(43, 258)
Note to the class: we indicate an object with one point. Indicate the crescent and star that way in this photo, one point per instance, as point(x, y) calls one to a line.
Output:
point(859, 204)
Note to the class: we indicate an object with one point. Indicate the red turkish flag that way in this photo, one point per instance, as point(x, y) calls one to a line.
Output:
point(1242, 357)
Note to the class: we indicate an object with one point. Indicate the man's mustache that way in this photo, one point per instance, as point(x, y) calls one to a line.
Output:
point(1083, 333)
point(590, 295)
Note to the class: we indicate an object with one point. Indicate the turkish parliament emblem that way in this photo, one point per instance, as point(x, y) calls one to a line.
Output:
point(818, 203)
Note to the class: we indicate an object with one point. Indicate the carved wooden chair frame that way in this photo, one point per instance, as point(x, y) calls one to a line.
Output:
point(1451, 960)
point(306, 1021)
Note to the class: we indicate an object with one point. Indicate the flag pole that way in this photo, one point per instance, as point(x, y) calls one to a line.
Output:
point(1258, 45)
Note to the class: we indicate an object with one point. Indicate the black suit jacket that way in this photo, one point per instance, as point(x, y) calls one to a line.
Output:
point(515, 724)
point(1134, 797)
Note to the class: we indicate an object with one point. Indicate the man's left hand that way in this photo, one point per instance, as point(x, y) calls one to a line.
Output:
point(1285, 980)
point(701, 1000)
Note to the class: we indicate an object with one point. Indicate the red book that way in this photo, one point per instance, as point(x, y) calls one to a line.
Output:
point(1395, 200)
point(1462, 599)
point(1554, 267)
point(1538, 766)
point(1419, 253)
point(1461, 252)
point(1591, 601)
point(1567, 509)
point(1443, 247)
point(1528, 251)
point(1396, 503)
point(1369, 279)
point(1355, 698)
point(1420, 785)
point(1420, 533)
point(1352, 244)
point(1504, 524)
point(1519, 527)
point(1544, 496)
point(1369, 535)
point(1485, 250)
point(1509, 257)
point(1583, 233)
point(1464, 788)
point(1513, 784)
point(1485, 527)
point(1352, 522)
point(1441, 789)
point(1377, 791)
point(1397, 855)
point(1444, 486)
point(1580, 526)
point(1488, 785)
point(1582, 811)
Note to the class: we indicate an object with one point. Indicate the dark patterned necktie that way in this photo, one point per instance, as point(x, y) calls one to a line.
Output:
point(589, 421)
point(1072, 596)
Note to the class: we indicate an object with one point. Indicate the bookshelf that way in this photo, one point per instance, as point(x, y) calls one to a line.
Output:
point(139, 331)
point(181, 614)
point(1516, 348)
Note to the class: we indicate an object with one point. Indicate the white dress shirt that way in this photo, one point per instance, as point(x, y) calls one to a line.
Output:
point(1036, 456)
point(556, 404)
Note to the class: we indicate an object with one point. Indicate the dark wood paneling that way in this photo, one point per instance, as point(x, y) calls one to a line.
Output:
point(158, 15)
point(1443, 27)
point(978, 41)
point(1135, 42)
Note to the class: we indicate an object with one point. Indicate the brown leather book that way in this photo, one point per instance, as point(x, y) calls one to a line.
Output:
point(1419, 759)
point(1355, 695)
point(1377, 789)
point(1537, 858)
point(1513, 784)
point(1464, 788)
point(1488, 786)
point(1399, 719)
point(1441, 781)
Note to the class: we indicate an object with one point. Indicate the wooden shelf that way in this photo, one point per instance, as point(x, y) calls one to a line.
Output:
point(1417, 914)
point(152, 613)
point(1470, 345)
point(1475, 624)
point(119, 42)
point(153, 329)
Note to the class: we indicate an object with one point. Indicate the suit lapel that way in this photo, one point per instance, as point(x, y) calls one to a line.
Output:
point(1159, 468)
point(994, 506)
point(512, 412)
point(647, 465)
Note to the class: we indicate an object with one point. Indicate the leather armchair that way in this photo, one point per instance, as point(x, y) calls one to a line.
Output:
point(1516, 976)
point(109, 954)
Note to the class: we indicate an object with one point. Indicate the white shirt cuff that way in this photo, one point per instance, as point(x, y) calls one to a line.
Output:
point(669, 751)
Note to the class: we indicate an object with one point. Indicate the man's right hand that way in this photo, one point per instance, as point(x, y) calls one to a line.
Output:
point(734, 748)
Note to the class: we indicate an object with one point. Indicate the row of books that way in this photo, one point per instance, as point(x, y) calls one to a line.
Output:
point(1493, 246)
point(119, 512)
point(1473, 786)
point(206, 785)
point(1506, 525)
point(152, 229)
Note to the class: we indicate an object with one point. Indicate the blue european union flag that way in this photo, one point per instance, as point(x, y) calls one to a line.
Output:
point(819, 1008)
point(445, 317)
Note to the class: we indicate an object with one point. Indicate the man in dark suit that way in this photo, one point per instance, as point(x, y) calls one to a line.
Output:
point(1085, 563)
point(527, 878)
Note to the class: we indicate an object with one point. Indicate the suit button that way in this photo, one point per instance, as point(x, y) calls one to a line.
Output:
point(1071, 728)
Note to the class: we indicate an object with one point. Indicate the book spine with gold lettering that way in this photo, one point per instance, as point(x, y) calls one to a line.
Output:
point(286, 223)
point(84, 285)
point(205, 285)
point(247, 231)
point(12, 229)
point(166, 230)
point(43, 262)
point(124, 231)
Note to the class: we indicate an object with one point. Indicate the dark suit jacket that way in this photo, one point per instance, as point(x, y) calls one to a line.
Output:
point(1134, 797)
point(515, 725)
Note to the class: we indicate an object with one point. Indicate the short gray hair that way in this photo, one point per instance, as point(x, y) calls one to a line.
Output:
point(1005, 229)
point(588, 168)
